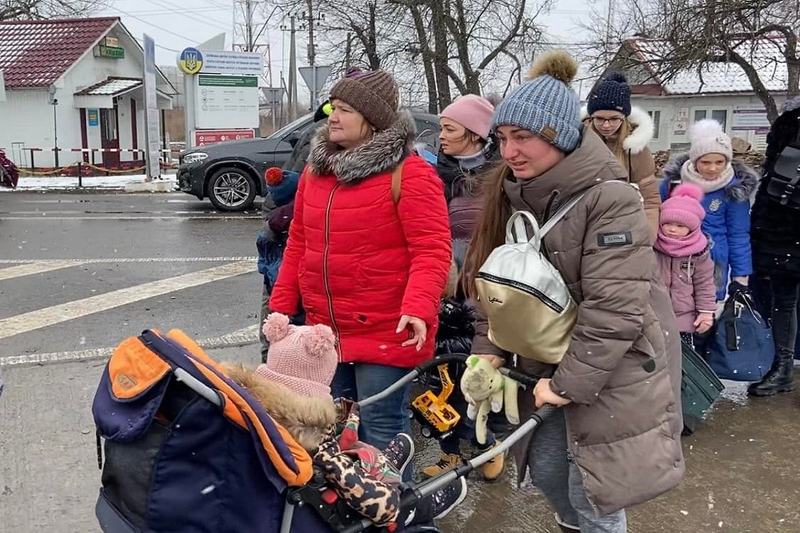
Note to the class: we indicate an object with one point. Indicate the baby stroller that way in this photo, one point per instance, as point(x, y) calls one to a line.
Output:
point(186, 449)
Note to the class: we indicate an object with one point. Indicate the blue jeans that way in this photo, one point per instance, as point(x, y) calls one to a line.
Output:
point(560, 480)
point(383, 420)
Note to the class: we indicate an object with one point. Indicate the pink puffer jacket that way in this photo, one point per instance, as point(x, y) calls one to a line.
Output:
point(690, 282)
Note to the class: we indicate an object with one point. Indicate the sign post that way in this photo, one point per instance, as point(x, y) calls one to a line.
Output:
point(315, 79)
point(274, 97)
point(152, 132)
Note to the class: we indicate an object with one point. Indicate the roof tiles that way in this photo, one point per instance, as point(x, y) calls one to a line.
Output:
point(35, 53)
point(764, 55)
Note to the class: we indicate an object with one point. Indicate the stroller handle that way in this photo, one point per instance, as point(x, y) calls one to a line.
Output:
point(415, 493)
point(516, 375)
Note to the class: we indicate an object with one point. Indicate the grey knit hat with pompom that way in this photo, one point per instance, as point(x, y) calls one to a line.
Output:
point(545, 104)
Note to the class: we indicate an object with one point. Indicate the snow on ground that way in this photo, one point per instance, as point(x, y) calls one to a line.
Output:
point(35, 183)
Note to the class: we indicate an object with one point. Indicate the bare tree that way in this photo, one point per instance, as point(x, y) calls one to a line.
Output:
point(456, 46)
point(44, 9)
point(483, 30)
point(760, 36)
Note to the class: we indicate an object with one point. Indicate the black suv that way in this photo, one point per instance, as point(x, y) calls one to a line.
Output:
point(231, 174)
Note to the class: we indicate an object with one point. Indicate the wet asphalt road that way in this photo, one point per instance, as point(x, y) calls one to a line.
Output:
point(743, 465)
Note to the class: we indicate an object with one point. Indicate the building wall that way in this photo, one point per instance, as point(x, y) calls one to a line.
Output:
point(27, 121)
point(677, 113)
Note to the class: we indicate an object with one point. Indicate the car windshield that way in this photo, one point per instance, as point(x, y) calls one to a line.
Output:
point(290, 127)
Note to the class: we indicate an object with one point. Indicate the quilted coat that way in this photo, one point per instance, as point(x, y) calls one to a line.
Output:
point(622, 369)
point(357, 260)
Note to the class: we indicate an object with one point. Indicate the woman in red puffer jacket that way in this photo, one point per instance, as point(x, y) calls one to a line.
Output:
point(370, 268)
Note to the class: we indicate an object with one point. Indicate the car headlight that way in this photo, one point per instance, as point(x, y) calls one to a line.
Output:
point(194, 157)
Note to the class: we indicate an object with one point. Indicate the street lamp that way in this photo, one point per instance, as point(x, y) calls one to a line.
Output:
point(55, 130)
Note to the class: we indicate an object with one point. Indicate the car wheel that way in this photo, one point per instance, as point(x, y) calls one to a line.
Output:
point(231, 189)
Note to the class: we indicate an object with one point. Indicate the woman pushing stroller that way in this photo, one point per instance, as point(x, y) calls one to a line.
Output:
point(616, 441)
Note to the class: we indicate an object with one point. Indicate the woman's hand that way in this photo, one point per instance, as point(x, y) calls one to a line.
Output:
point(543, 394)
point(418, 327)
point(741, 280)
point(703, 322)
point(495, 360)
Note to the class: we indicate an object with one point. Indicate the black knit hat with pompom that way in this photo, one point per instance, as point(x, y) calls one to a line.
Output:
point(612, 94)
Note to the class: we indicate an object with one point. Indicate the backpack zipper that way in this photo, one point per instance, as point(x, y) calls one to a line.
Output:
point(524, 288)
point(328, 294)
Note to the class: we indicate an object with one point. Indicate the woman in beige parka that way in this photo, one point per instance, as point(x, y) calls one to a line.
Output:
point(626, 131)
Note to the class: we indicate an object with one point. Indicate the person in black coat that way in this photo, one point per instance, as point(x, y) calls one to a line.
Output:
point(775, 236)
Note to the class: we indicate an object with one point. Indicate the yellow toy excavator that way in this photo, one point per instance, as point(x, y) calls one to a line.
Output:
point(435, 415)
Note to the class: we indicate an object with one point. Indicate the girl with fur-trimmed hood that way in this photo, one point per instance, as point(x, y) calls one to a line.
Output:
point(371, 267)
point(293, 386)
point(728, 185)
point(626, 130)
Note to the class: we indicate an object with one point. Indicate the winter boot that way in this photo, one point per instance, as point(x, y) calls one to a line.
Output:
point(446, 462)
point(778, 379)
point(400, 451)
point(493, 469)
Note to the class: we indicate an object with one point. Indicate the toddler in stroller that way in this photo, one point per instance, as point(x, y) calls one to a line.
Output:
point(293, 386)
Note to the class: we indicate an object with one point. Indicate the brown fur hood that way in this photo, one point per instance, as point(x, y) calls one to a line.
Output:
point(380, 154)
point(306, 419)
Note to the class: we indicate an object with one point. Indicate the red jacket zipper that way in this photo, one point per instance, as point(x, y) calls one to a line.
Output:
point(325, 271)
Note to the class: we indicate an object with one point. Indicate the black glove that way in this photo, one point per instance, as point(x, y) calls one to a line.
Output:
point(737, 288)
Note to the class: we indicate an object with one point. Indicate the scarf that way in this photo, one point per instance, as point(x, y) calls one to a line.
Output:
point(470, 162)
point(690, 175)
point(692, 244)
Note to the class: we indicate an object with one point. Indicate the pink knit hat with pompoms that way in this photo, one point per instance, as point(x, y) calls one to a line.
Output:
point(683, 207)
point(301, 358)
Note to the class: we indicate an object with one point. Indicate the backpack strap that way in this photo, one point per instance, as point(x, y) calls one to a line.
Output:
point(564, 209)
point(397, 179)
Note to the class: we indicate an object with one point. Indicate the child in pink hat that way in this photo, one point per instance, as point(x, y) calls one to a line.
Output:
point(685, 262)
point(294, 387)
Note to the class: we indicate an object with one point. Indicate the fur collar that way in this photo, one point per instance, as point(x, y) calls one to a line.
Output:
point(382, 153)
point(642, 133)
point(741, 188)
point(306, 419)
point(641, 124)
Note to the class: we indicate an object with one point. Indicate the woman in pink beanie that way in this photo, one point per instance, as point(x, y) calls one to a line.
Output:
point(685, 262)
point(464, 153)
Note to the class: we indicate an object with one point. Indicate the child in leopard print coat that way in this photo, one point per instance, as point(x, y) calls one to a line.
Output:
point(294, 386)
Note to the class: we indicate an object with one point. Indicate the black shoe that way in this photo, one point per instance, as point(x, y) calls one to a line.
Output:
point(446, 499)
point(400, 451)
point(778, 379)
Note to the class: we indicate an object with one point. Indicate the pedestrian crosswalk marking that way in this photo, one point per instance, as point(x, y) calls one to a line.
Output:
point(241, 337)
point(37, 267)
point(56, 314)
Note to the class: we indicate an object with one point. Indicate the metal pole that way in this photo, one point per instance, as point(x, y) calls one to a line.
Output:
point(33, 163)
point(313, 88)
point(249, 25)
point(55, 131)
point(292, 69)
point(80, 175)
